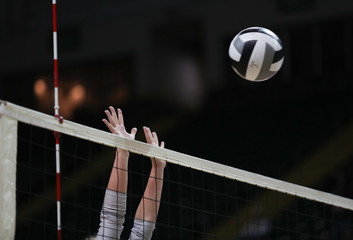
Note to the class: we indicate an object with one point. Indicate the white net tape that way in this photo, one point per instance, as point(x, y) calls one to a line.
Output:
point(80, 131)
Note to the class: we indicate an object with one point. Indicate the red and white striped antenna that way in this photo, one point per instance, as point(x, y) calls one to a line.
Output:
point(55, 48)
point(57, 115)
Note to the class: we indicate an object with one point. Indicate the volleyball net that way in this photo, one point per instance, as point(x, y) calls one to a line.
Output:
point(201, 199)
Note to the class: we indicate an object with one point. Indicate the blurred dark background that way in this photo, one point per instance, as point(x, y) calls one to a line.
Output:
point(165, 63)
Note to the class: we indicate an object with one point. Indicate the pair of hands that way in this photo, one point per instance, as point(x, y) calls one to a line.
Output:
point(115, 123)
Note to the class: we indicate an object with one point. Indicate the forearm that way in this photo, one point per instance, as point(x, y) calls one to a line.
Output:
point(149, 204)
point(119, 175)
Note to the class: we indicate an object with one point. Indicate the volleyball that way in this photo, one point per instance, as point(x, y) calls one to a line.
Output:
point(256, 54)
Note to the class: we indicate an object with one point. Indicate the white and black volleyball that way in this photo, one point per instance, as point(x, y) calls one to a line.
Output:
point(256, 54)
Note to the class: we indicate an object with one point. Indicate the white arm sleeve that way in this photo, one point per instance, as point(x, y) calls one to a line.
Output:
point(112, 216)
point(142, 230)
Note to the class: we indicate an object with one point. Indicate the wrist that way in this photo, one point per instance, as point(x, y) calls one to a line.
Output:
point(122, 152)
point(159, 164)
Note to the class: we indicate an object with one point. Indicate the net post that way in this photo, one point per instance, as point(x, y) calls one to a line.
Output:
point(8, 161)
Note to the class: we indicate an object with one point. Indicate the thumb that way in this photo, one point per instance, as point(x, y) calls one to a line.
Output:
point(133, 132)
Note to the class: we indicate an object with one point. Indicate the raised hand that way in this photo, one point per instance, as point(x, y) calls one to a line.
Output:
point(116, 124)
point(152, 138)
point(150, 202)
point(119, 177)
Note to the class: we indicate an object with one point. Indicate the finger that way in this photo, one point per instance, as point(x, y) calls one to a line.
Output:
point(109, 116)
point(133, 132)
point(120, 117)
point(111, 128)
point(155, 138)
point(148, 135)
point(115, 118)
point(162, 144)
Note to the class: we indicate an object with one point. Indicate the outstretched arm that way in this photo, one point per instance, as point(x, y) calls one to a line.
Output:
point(119, 175)
point(114, 204)
point(149, 204)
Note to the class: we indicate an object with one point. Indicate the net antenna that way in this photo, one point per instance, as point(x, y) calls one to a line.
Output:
point(57, 115)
